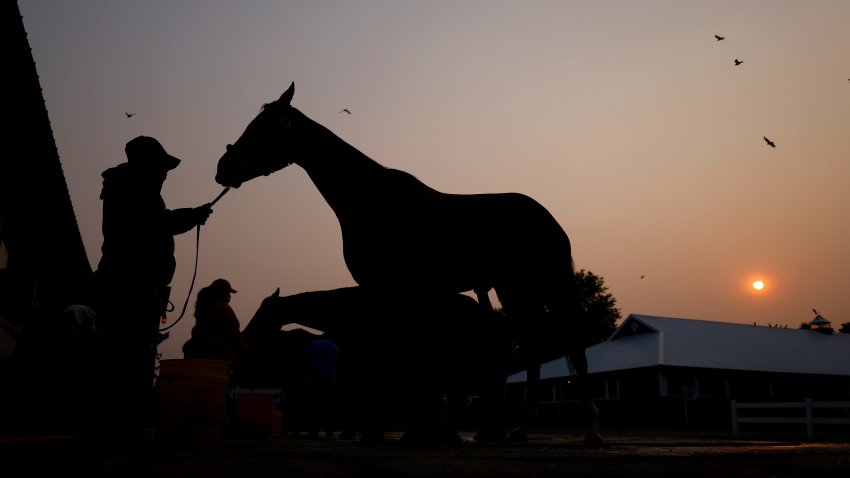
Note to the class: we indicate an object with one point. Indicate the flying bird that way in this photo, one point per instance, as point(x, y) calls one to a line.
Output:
point(815, 311)
point(769, 142)
point(130, 115)
point(345, 111)
point(641, 276)
point(719, 37)
point(738, 62)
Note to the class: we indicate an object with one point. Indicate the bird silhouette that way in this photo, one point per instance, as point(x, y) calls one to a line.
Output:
point(738, 62)
point(815, 311)
point(345, 111)
point(719, 37)
point(641, 276)
point(769, 142)
point(130, 115)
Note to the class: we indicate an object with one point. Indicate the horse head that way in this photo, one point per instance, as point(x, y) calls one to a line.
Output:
point(262, 148)
point(264, 322)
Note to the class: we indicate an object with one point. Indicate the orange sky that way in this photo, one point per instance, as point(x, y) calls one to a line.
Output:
point(627, 120)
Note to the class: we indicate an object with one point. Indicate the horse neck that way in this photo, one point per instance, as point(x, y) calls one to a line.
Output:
point(339, 170)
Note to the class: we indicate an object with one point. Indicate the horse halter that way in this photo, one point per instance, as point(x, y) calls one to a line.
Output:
point(247, 155)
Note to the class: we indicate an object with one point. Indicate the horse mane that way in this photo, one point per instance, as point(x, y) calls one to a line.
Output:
point(398, 173)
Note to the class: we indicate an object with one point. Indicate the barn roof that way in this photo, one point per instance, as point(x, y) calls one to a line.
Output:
point(648, 341)
point(38, 226)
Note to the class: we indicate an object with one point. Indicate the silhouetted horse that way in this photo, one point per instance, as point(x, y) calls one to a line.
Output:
point(398, 233)
point(400, 354)
point(277, 359)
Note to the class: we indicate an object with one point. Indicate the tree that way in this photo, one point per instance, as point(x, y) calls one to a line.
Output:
point(598, 307)
point(598, 316)
point(845, 328)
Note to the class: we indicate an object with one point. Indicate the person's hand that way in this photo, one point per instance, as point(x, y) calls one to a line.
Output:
point(202, 213)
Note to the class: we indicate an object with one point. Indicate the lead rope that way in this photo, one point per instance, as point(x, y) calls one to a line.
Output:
point(195, 272)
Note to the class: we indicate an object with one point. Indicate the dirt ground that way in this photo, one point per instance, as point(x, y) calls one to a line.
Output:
point(547, 454)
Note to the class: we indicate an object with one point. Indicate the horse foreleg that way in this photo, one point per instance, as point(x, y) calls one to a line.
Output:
point(484, 298)
point(591, 412)
point(531, 410)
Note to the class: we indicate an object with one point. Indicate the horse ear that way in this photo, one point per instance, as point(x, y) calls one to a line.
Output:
point(287, 95)
point(276, 292)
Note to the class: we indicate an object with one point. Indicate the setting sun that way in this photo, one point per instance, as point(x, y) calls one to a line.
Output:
point(758, 285)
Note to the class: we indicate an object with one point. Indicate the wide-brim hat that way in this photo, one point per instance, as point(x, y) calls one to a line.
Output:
point(147, 150)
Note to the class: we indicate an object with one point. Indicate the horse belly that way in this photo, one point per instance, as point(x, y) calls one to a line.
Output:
point(417, 259)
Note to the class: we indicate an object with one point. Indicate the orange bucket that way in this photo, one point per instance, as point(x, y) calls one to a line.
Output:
point(254, 414)
point(192, 394)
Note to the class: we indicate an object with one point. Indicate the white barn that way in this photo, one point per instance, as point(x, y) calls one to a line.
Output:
point(683, 371)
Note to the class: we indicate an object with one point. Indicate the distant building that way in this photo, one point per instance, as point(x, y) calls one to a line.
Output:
point(820, 324)
point(673, 371)
point(43, 263)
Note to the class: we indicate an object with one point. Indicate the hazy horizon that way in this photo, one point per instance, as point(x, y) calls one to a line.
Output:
point(629, 121)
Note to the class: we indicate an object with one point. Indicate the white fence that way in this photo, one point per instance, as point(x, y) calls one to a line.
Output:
point(838, 414)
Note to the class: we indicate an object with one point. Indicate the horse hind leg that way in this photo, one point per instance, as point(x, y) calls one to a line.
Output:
point(562, 324)
point(524, 318)
point(574, 330)
point(578, 362)
point(531, 409)
point(490, 356)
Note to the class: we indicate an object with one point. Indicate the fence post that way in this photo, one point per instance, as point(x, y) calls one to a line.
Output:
point(734, 419)
point(810, 419)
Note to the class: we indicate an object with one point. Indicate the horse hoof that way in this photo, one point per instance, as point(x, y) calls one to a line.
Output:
point(518, 436)
point(431, 439)
point(592, 438)
point(490, 437)
point(372, 438)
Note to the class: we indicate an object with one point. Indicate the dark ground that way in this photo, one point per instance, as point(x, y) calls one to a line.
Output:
point(548, 454)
